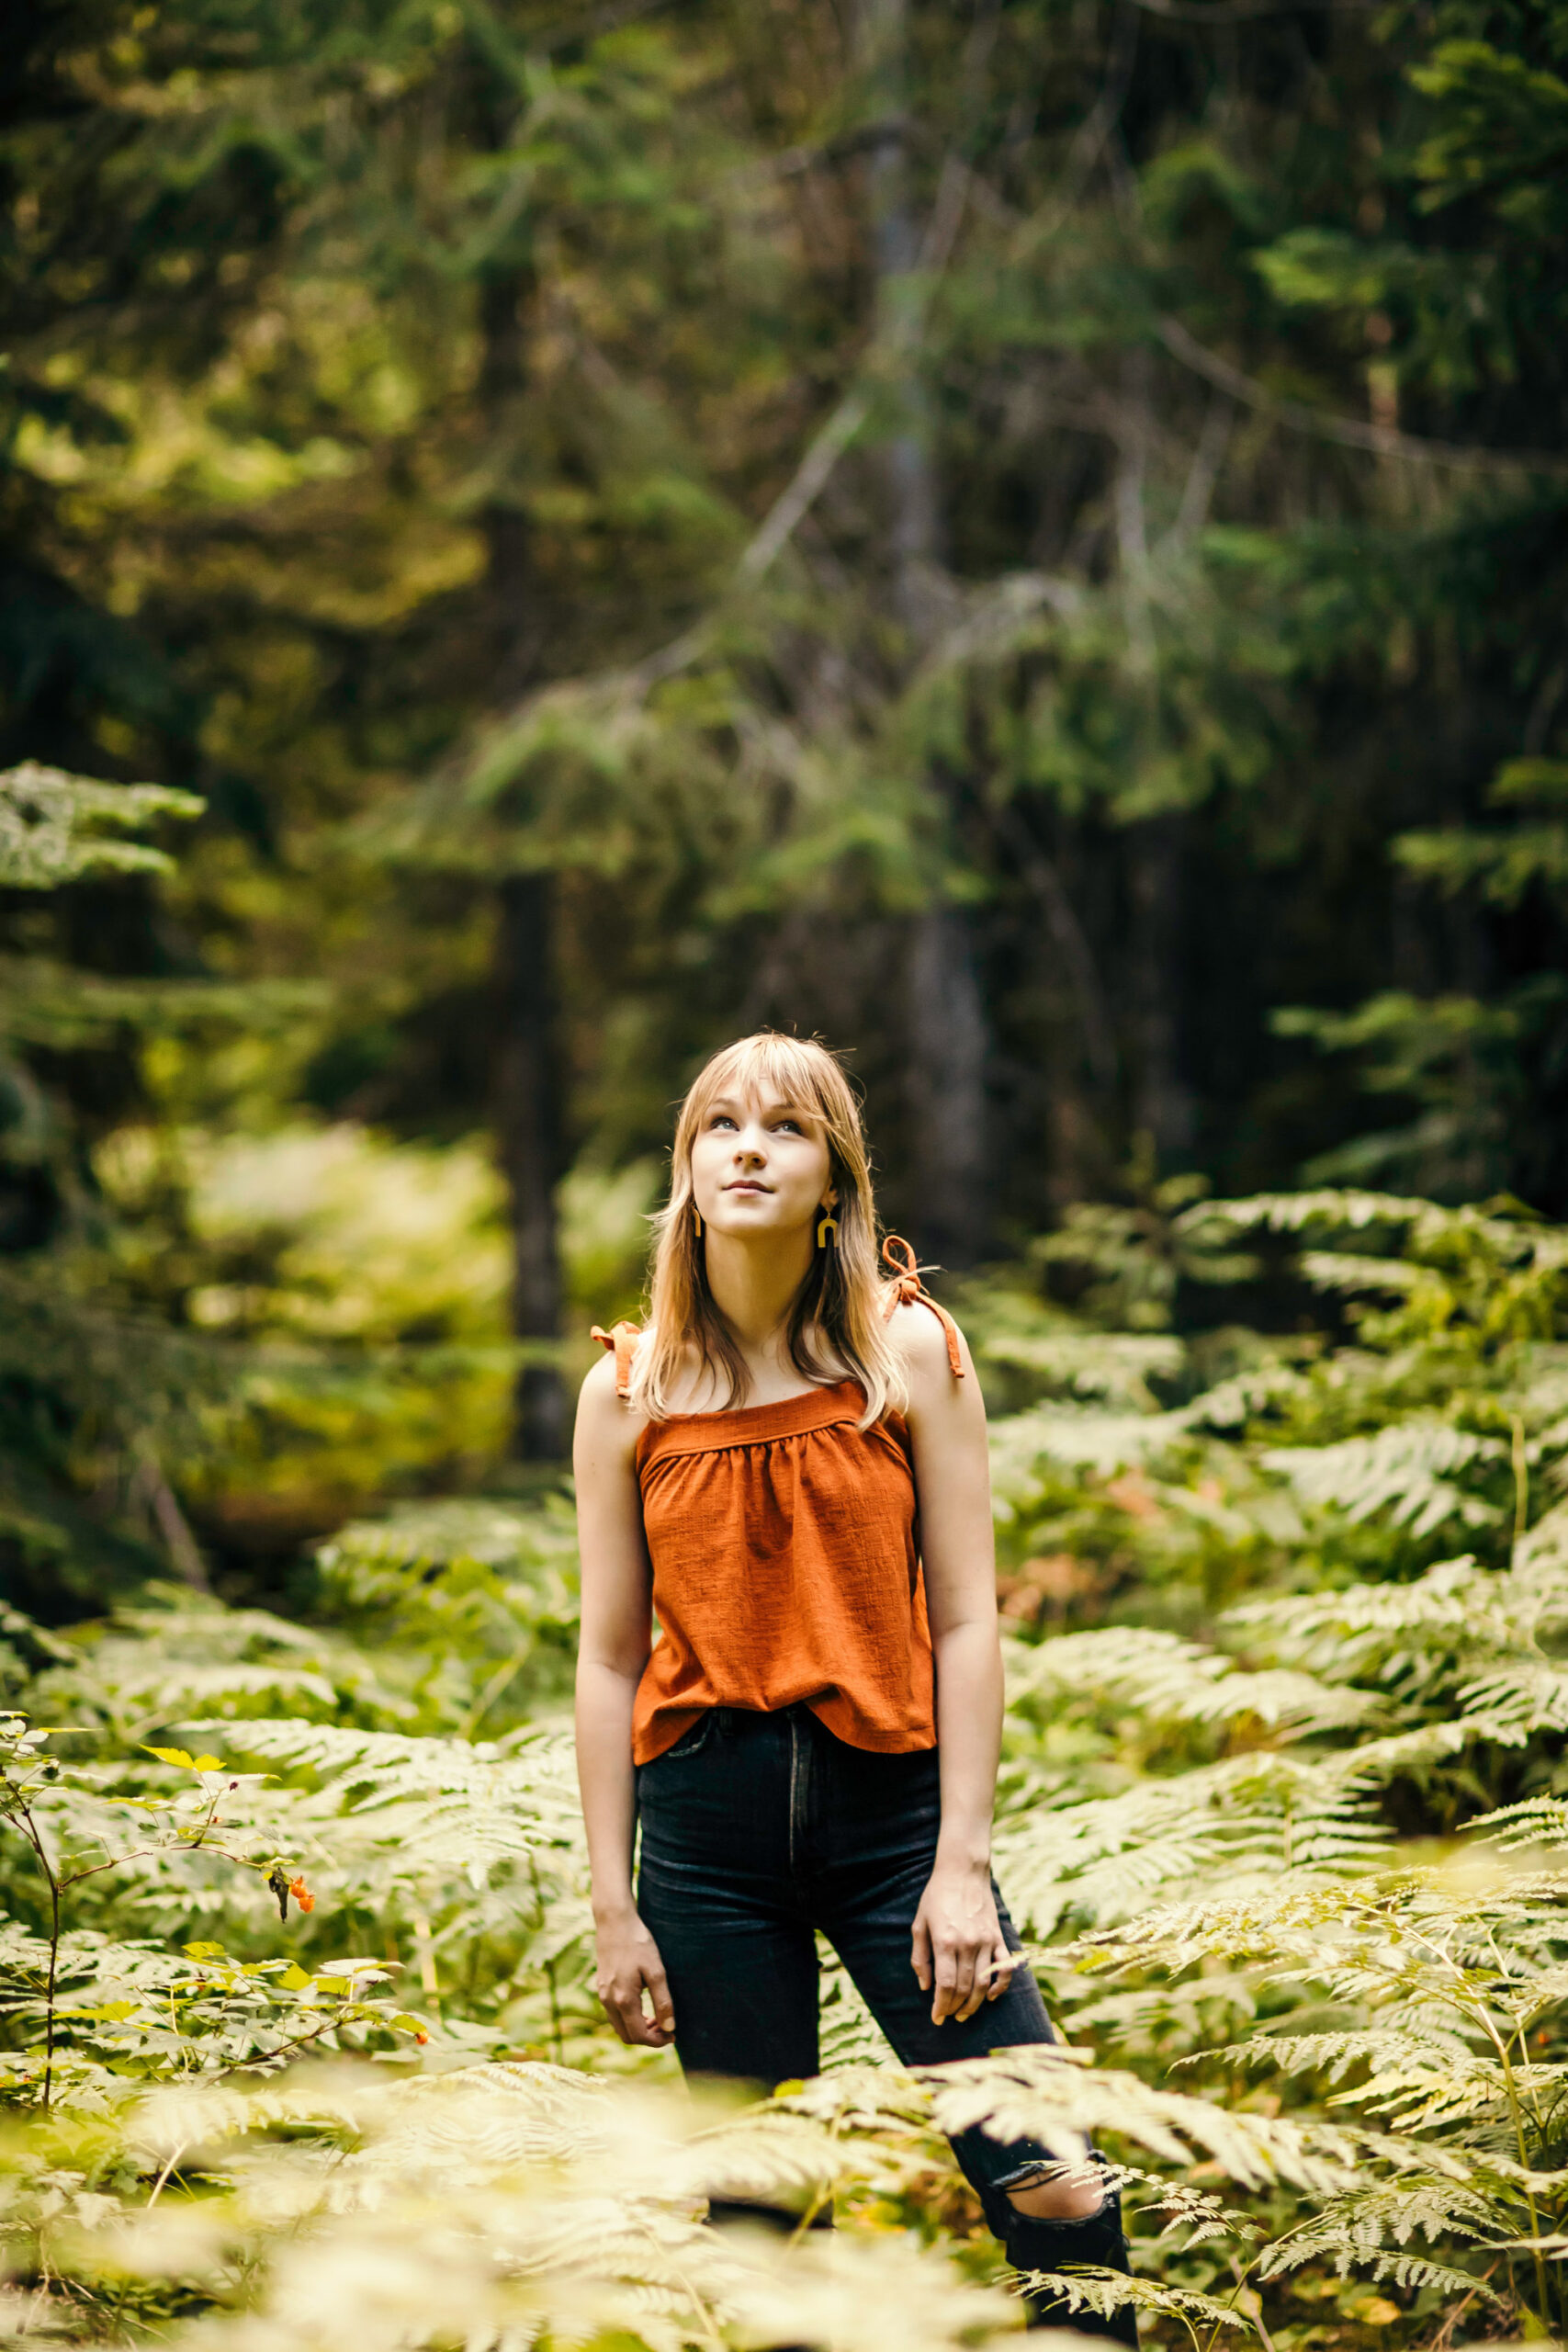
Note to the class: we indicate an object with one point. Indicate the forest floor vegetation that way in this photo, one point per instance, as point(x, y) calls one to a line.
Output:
point(299, 2040)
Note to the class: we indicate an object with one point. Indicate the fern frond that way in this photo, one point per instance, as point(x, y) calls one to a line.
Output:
point(1338, 1269)
point(1105, 2292)
point(1074, 1438)
point(1368, 1627)
point(1116, 1366)
point(1038, 2094)
point(1337, 1212)
point(1259, 1812)
point(1160, 1674)
point(1405, 1469)
point(850, 2034)
point(1335, 2054)
point(1355, 2230)
point(1198, 2210)
point(401, 1814)
point(1533, 1821)
point(1232, 1403)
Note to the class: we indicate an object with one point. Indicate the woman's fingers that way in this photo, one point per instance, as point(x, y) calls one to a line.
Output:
point(621, 1999)
point(977, 2000)
point(993, 1974)
point(968, 1975)
point(663, 2007)
point(617, 2011)
point(962, 1962)
point(956, 1989)
point(1003, 1963)
point(945, 1974)
point(628, 1964)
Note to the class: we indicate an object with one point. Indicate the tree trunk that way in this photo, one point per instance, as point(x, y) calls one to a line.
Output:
point(944, 1010)
point(946, 1090)
point(528, 1093)
point(1162, 1101)
point(528, 1115)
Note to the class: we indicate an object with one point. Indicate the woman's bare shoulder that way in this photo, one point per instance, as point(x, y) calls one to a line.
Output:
point(919, 1334)
point(602, 1416)
point(920, 1338)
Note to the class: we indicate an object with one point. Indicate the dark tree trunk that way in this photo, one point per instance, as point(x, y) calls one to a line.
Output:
point(528, 1117)
point(944, 1008)
point(1162, 1105)
point(1162, 1101)
point(947, 1090)
point(528, 1093)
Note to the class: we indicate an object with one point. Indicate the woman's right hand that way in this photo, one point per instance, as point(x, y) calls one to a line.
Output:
point(626, 1960)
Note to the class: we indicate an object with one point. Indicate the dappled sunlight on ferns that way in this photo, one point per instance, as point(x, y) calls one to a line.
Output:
point(1282, 1817)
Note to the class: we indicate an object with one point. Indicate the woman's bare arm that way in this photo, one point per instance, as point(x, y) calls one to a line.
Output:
point(959, 1948)
point(613, 1649)
point(960, 1955)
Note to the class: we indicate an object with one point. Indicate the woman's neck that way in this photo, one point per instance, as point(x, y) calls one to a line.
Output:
point(754, 1285)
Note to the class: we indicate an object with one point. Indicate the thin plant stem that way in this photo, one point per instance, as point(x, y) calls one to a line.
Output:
point(32, 1832)
point(159, 2185)
point(1474, 2005)
point(1243, 2276)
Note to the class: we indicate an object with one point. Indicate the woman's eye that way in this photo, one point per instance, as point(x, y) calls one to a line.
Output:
point(792, 1125)
point(721, 1119)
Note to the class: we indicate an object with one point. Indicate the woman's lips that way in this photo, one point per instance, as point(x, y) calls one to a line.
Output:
point(748, 1188)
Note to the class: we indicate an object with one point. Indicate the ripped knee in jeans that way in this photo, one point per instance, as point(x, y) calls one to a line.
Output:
point(1061, 2192)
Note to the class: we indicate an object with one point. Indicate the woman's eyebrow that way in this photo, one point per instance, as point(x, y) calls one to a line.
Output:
point(783, 1109)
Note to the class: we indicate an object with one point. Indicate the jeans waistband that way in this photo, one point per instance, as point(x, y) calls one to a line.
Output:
point(729, 1720)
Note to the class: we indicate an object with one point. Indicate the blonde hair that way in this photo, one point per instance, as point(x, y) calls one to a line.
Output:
point(841, 1305)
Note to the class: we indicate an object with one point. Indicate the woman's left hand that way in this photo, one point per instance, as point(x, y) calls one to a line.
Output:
point(960, 1953)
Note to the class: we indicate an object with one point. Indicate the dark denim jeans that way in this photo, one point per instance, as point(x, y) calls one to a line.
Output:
point(757, 1830)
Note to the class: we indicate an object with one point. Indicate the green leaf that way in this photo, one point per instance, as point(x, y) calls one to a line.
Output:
point(174, 1755)
point(294, 1978)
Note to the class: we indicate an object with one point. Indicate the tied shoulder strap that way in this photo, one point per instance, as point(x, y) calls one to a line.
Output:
point(906, 1288)
point(621, 1339)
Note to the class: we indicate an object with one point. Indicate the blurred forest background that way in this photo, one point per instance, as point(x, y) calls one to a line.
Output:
point(1029, 538)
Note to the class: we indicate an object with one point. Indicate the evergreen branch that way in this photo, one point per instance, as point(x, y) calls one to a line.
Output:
point(52, 825)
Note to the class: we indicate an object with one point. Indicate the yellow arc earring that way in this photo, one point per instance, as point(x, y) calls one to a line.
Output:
point(697, 1219)
point(830, 1225)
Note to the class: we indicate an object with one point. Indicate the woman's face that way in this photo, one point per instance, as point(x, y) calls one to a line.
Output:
point(760, 1165)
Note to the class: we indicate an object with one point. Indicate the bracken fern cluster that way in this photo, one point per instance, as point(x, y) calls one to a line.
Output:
point(299, 2043)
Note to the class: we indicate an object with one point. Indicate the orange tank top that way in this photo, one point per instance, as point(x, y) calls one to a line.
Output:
point(784, 1545)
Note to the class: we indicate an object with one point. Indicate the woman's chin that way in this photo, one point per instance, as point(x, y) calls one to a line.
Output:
point(763, 1222)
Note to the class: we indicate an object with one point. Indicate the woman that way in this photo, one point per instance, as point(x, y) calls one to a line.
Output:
point(788, 1465)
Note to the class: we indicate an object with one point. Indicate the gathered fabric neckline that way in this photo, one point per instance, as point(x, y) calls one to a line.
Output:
point(772, 1405)
point(750, 1427)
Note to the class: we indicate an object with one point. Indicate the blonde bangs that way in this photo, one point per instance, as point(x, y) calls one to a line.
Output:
point(840, 1313)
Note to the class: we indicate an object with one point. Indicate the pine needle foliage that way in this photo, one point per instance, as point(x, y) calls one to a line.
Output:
point(54, 827)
